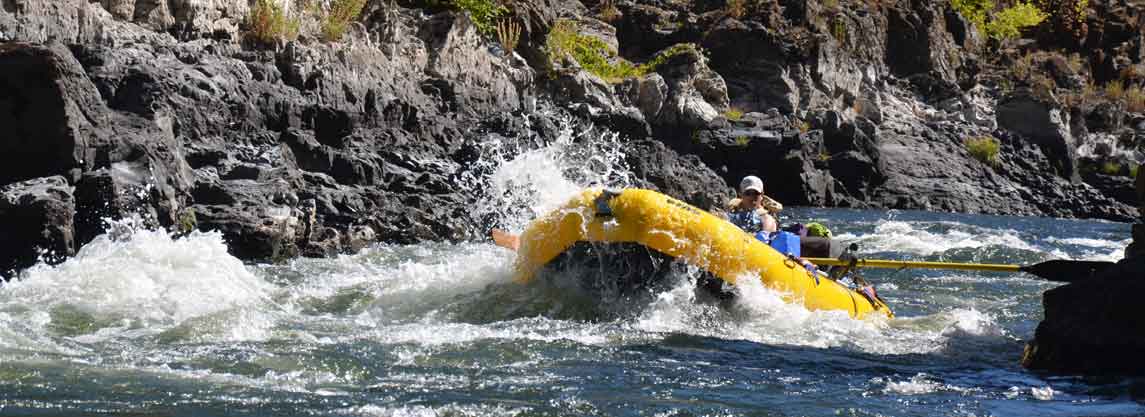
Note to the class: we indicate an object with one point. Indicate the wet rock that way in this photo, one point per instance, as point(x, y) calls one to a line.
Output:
point(119, 192)
point(1091, 327)
point(36, 218)
point(683, 176)
point(697, 96)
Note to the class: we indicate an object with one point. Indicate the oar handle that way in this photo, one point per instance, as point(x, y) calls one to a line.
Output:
point(881, 263)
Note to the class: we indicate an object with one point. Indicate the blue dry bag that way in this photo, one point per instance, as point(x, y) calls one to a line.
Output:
point(786, 243)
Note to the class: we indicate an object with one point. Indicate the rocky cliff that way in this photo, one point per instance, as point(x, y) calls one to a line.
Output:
point(169, 112)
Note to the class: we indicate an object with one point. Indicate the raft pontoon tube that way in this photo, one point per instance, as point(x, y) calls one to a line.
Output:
point(684, 232)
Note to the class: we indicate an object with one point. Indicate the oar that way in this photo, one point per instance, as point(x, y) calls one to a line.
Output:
point(1060, 270)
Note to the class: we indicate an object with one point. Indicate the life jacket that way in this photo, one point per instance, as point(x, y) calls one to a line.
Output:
point(750, 221)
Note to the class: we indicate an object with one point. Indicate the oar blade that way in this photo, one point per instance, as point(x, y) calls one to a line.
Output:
point(1062, 270)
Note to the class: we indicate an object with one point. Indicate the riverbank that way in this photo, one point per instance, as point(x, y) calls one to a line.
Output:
point(297, 145)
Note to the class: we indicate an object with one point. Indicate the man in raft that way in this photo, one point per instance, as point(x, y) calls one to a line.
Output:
point(753, 211)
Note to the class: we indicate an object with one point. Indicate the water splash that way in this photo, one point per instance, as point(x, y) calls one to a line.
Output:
point(131, 280)
point(516, 181)
point(927, 238)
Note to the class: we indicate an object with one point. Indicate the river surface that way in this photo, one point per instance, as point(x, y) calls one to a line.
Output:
point(140, 324)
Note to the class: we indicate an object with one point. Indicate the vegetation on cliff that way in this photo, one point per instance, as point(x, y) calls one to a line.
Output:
point(984, 149)
point(597, 57)
point(999, 24)
point(338, 19)
point(270, 22)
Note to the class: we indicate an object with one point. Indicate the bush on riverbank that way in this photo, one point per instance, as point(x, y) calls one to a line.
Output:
point(984, 149)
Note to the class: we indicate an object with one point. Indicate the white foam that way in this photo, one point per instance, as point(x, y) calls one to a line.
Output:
point(901, 236)
point(142, 280)
point(920, 384)
point(424, 411)
point(761, 315)
point(1042, 393)
point(436, 334)
point(1093, 243)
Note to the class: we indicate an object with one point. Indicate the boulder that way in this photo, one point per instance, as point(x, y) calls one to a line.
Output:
point(1091, 327)
point(697, 95)
point(35, 223)
point(1045, 125)
point(648, 94)
point(54, 118)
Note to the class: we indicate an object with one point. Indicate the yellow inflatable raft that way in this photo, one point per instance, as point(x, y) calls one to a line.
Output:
point(681, 231)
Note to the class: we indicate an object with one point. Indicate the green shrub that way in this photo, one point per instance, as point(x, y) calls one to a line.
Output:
point(591, 53)
point(1115, 89)
point(984, 149)
point(1110, 168)
point(1134, 98)
point(342, 12)
point(662, 57)
point(1006, 23)
point(803, 126)
point(839, 29)
point(599, 58)
point(733, 114)
point(483, 13)
point(976, 11)
point(269, 22)
point(742, 141)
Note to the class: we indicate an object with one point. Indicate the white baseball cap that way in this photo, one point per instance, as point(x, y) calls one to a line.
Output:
point(751, 182)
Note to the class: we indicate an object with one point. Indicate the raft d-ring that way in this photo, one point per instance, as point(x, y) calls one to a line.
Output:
point(789, 262)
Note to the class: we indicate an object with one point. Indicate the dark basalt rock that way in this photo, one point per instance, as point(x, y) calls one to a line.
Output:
point(159, 111)
point(684, 177)
point(53, 117)
point(1093, 326)
point(35, 223)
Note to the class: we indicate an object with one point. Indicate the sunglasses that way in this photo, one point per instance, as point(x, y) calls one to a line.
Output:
point(751, 193)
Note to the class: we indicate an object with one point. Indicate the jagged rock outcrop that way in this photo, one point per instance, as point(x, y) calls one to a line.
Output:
point(36, 223)
point(311, 149)
point(1091, 326)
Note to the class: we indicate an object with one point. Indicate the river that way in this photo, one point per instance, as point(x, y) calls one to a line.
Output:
point(141, 324)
